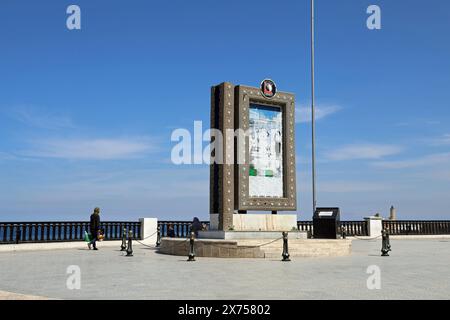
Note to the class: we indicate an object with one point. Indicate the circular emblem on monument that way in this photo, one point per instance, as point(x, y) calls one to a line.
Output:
point(268, 88)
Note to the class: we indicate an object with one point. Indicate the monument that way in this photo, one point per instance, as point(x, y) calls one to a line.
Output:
point(259, 170)
point(253, 169)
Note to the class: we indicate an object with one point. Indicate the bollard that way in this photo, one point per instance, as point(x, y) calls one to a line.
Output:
point(285, 253)
point(386, 245)
point(130, 244)
point(158, 237)
point(191, 256)
point(343, 233)
point(123, 246)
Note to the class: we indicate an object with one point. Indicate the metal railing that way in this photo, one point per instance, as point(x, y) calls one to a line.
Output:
point(62, 231)
point(353, 228)
point(181, 228)
point(417, 227)
point(305, 226)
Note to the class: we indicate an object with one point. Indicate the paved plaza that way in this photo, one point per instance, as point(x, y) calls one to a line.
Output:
point(416, 269)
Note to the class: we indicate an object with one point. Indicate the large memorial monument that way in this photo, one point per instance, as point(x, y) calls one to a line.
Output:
point(258, 172)
point(252, 179)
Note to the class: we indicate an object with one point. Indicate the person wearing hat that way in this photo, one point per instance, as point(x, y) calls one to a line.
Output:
point(94, 227)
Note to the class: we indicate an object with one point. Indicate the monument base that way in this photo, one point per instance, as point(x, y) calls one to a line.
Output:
point(258, 222)
point(241, 235)
point(257, 248)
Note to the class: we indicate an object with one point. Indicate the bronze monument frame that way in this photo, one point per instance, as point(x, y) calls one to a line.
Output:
point(286, 102)
point(229, 183)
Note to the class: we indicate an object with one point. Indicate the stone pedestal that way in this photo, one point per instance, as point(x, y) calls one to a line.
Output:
point(244, 235)
point(258, 222)
point(257, 248)
point(149, 226)
point(375, 225)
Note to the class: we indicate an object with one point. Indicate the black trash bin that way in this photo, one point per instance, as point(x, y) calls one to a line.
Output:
point(326, 223)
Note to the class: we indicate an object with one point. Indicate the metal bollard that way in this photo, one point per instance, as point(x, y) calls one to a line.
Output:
point(386, 245)
point(285, 253)
point(123, 246)
point(343, 233)
point(191, 256)
point(158, 237)
point(130, 244)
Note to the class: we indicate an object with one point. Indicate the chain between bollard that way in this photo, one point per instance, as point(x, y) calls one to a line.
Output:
point(285, 254)
point(146, 245)
point(367, 239)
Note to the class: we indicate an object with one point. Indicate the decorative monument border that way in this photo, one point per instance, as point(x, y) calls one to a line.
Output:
point(286, 102)
point(222, 175)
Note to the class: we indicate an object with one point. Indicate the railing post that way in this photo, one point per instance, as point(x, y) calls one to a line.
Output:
point(54, 231)
point(47, 232)
point(11, 231)
point(64, 230)
point(71, 234)
point(42, 232)
point(5, 229)
point(18, 234)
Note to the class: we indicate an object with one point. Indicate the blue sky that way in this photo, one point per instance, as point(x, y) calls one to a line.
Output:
point(86, 115)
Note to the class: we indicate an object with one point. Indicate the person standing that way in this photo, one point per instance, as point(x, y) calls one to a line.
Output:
point(170, 231)
point(196, 226)
point(94, 227)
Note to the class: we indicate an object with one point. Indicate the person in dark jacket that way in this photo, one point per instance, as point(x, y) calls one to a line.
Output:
point(94, 228)
point(170, 231)
point(196, 226)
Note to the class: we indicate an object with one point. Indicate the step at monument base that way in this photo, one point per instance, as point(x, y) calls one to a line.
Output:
point(257, 248)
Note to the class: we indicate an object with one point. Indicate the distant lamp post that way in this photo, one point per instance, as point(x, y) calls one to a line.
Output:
point(393, 214)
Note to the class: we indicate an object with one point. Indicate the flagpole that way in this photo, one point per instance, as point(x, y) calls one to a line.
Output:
point(313, 124)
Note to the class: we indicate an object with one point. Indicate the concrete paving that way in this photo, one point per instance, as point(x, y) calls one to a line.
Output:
point(416, 269)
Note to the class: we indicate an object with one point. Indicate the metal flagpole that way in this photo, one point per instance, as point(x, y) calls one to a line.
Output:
point(313, 124)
